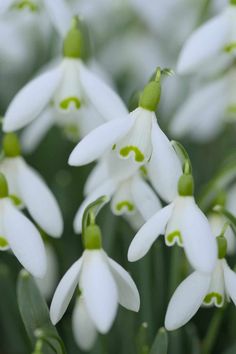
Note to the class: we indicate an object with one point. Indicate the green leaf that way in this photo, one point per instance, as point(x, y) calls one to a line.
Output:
point(160, 344)
point(142, 339)
point(35, 315)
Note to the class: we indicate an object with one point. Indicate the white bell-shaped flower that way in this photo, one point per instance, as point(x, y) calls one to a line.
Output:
point(139, 137)
point(200, 289)
point(217, 222)
point(124, 184)
point(103, 283)
point(20, 235)
point(29, 190)
point(84, 330)
point(209, 41)
point(183, 223)
point(70, 86)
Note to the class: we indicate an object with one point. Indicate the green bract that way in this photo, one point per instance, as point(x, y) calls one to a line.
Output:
point(11, 145)
point(73, 43)
point(92, 237)
point(186, 185)
point(3, 186)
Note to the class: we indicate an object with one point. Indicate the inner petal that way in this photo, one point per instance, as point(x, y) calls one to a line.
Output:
point(122, 201)
point(216, 293)
point(4, 245)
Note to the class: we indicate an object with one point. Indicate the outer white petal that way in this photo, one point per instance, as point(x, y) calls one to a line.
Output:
point(25, 240)
point(65, 291)
point(199, 118)
point(4, 5)
point(60, 15)
point(98, 141)
point(204, 43)
point(107, 188)
point(199, 243)
point(36, 131)
point(96, 177)
point(31, 100)
point(105, 100)
point(164, 168)
point(148, 233)
point(230, 282)
point(128, 295)
point(84, 331)
point(99, 289)
point(39, 200)
point(186, 300)
point(145, 199)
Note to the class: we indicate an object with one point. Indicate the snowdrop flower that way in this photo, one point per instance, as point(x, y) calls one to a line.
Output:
point(202, 289)
point(182, 223)
point(200, 119)
point(138, 138)
point(20, 235)
point(69, 85)
point(103, 283)
point(130, 194)
point(28, 189)
point(216, 36)
point(84, 330)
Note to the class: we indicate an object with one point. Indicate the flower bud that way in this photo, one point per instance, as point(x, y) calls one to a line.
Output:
point(11, 145)
point(73, 43)
point(222, 246)
point(186, 185)
point(92, 237)
point(3, 186)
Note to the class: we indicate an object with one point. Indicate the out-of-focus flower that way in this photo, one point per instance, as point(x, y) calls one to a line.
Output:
point(20, 235)
point(209, 41)
point(183, 223)
point(28, 189)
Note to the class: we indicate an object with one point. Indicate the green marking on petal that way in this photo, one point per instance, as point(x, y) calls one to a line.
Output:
point(125, 151)
point(25, 3)
point(174, 237)
point(65, 104)
point(231, 109)
point(3, 243)
point(143, 170)
point(125, 204)
point(113, 147)
point(16, 200)
point(230, 47)
point(215, 298)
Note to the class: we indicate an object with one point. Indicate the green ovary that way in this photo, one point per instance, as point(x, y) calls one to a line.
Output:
point(26, 3)
point(218, 299)
point(174, 237)
point(125, 151)
point(3, 242)
point(125, 204)
point(230, 47)
point(66, 103)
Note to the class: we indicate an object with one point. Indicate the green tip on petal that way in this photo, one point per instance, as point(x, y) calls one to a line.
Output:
point(214, 298)
point(3, 243)
point(232, 2)
point(73, 43)
point(11, 145)
point(92, 237)
point(186, 185)
point(3, 186)
point(26, 4)
point(127, 150)
point(222, 246)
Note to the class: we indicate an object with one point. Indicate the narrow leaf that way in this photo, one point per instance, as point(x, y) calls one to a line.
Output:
point(160, 344)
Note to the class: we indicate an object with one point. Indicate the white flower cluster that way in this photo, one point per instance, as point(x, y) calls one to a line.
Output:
point(138, 168)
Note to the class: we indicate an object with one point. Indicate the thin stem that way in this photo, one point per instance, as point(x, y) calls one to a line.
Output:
point(209, 341)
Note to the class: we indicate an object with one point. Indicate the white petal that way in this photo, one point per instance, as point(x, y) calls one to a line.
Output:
point(31, 100)
point(65, 291)
point(186, 300)
point(25, 240)
point(230, 282)
point(204, 43)
point(84, 331)
point(197, 117)
point(107, 189)
point(4, 6)
point(39, 200)
point(36, 131)
point(164, 168)
point(199, 243)
point(99, 290)
point(128, 295)
point(216, 293)
point(105, 100)
point(98, 141)
point(148, 233)
point(60, 15)
point(98, 174)
point(145, 199)
point(122, 201)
